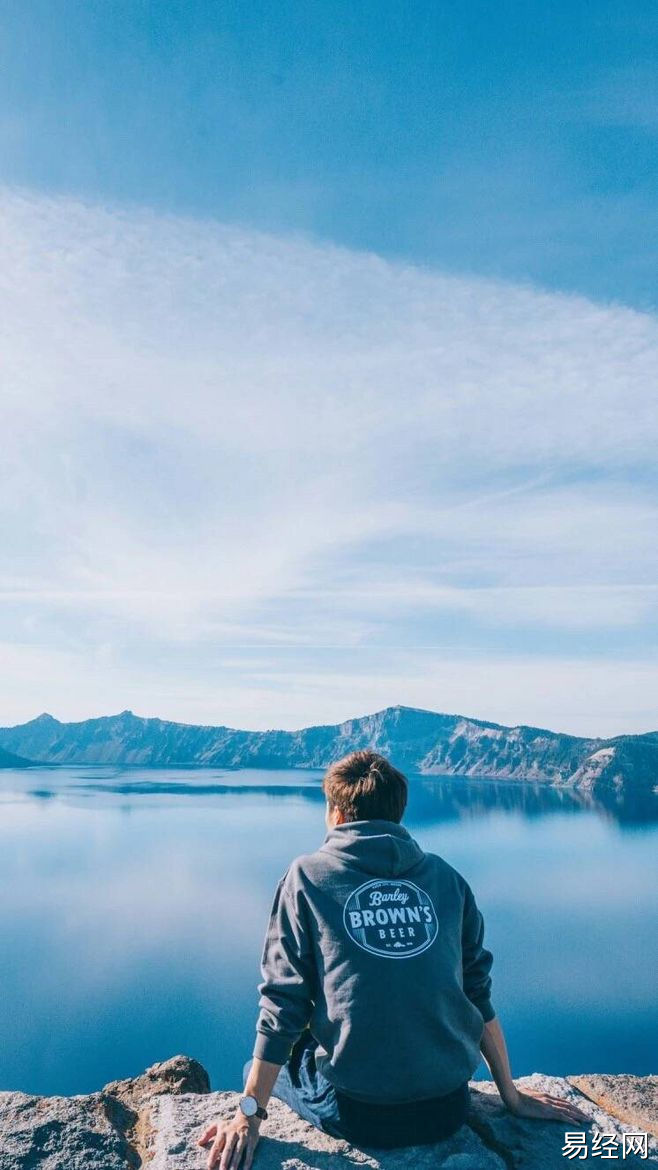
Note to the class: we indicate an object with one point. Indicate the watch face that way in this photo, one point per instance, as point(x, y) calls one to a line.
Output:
point(249, 1106)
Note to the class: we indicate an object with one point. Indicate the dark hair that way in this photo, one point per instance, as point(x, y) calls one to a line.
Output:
point(364, 786)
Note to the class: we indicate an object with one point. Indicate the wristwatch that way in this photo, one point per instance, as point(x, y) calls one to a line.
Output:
point(250, 1107)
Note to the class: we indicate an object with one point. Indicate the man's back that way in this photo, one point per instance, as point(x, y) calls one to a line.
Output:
point(375, 994)
point(377, 946)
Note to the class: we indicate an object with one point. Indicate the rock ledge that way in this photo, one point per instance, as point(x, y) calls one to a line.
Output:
point(153, 1121)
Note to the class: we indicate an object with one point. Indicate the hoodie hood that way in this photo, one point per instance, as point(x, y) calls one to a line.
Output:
point(381, 848)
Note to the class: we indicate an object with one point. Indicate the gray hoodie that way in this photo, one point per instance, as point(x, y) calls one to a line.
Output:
point(377, 948)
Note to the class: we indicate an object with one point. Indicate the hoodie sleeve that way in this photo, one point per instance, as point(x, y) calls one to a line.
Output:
point(476, 959)
point(288, 969)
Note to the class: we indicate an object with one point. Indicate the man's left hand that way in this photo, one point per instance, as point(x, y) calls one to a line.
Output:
point(233, 1142)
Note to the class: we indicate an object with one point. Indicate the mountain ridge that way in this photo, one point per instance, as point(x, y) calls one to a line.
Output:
point(416, 739)
point(10, 760)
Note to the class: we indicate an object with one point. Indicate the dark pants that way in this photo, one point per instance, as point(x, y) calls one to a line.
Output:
point(302, 1086)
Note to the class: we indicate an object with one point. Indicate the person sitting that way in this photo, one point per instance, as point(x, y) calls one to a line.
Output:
point(375, 1004)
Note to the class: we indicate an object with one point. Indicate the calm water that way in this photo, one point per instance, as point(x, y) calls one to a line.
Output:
point(134, 904)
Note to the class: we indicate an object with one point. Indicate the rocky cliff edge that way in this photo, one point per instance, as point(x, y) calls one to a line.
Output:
point(155, 1119)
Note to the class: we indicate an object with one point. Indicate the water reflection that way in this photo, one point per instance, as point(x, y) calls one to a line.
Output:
point(432, 798)
point(458, 797)
point(134, 905)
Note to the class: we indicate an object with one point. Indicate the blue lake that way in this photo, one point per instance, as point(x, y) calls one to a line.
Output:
point(134, 905)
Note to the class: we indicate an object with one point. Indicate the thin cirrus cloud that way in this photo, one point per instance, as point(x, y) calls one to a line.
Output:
point(235, 464)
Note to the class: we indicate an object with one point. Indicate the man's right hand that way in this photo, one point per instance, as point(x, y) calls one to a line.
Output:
point(233, 1142)
point(544, 1107)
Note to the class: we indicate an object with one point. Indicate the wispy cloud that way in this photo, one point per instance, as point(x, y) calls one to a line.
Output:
point(219, 443)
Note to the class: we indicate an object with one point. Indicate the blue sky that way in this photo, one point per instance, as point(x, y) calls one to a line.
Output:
point(513, 140)
point(330, 361)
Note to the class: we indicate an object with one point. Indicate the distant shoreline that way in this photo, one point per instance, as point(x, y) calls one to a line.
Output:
point(426, 743)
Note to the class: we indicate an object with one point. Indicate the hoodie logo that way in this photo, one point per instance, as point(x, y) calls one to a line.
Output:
point(392, 918)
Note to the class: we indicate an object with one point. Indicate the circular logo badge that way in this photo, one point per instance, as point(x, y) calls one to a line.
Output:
point(391, 918)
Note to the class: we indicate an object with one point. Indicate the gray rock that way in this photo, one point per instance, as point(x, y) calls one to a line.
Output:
point(60, 1133)
point(180, 1074)
point(289, 1142)
point(101, 1131)
point(631, 1099)
point(154, 1121)
point(531, 1145)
